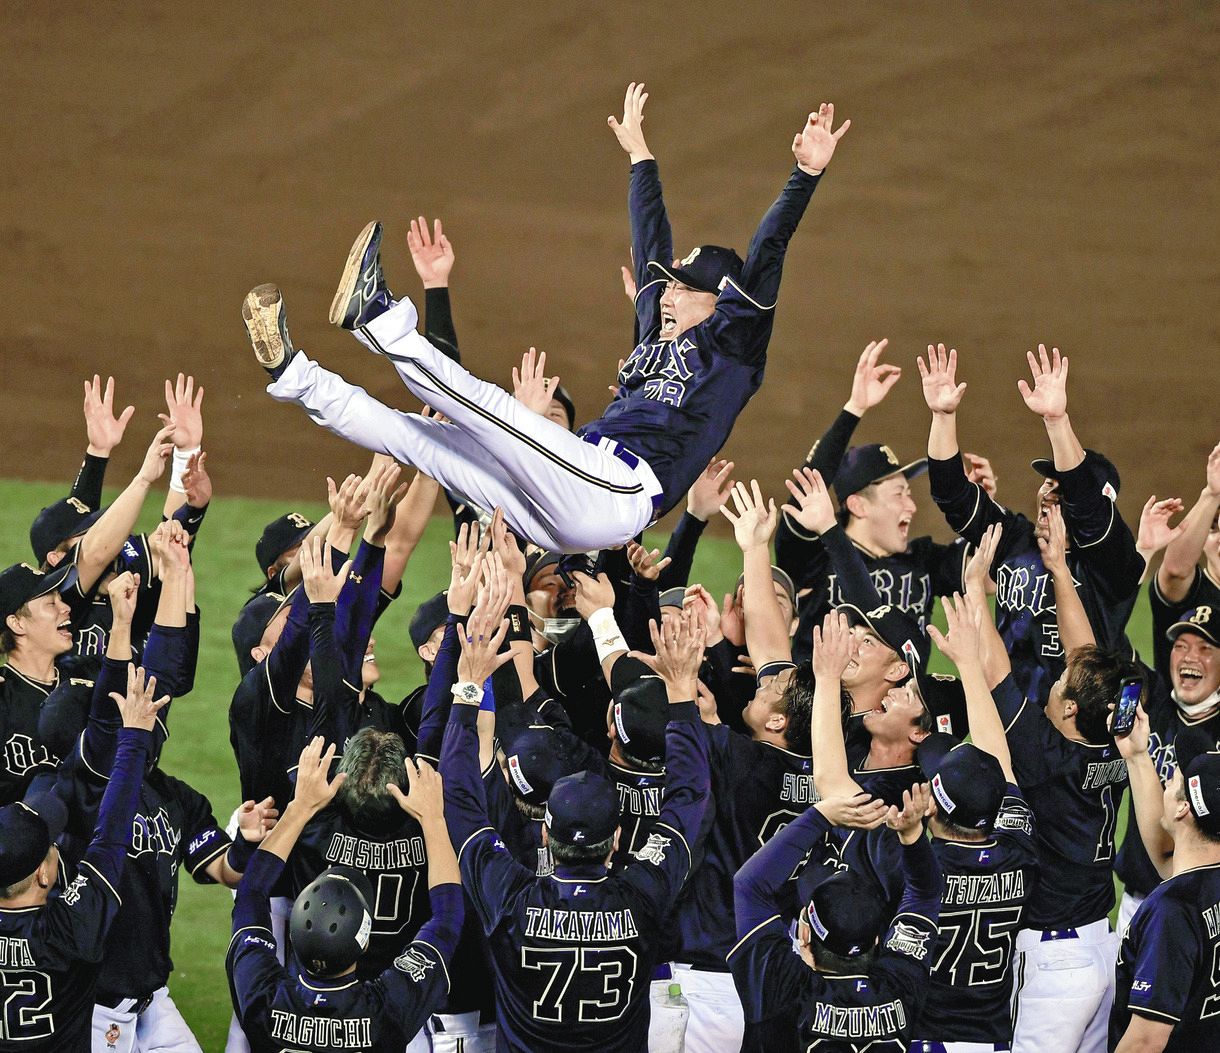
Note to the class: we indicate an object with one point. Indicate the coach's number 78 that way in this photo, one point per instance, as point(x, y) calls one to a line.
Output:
point(615, 966)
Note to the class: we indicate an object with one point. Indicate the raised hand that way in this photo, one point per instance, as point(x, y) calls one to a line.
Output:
point(486, 627)
point(140, 706)
point(382, 501)
point(755, 519)
point(831, 647)
point(256, 819)
point(860, 812)
point(196, 481)
point(1154, 531)
point(941, 391)
point(979, 470)
point(644, 564)
point(156, 455)
point(630, 130)
point(184, 409)
point(531, 386)
point(678, 643)
point(425, 796)
point(873, 379)
point(591, 594)
point(733, 619)
point(907, 822)
point(814, 509)
point(629, 286)
point(466, 567)
point(322, 585)
point(710, 490)
point(1134, 744)
point(814, 145)
point(1213, 472)
point(1054, 546)
point(504, 545)
point(1048, 397)
point(978, 566)
point(103, 430)
point(314, 790)
point(123, 591)
point(698, 599)
point(431, 254)
point(346, 501)
point(963, 620)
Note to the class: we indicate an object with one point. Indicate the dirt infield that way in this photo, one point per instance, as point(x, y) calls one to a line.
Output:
point(1014, 173)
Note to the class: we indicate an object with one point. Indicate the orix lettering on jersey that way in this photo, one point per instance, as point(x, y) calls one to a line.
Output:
point(663, 368)
point(22, 755)
point(153, 834)
point(911, 593)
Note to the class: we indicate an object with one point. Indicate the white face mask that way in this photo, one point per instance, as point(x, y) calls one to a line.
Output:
point(1190, 710)
point(556, 630)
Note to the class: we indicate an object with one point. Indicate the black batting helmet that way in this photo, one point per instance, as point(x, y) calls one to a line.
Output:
point(331, 921)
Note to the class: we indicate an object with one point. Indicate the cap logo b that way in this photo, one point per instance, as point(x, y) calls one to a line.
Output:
point(1202, 616)
point(694, 255)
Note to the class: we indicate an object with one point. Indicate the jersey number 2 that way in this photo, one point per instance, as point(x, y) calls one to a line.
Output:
point(26, 994)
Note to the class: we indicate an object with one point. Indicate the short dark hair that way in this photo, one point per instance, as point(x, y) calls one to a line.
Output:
point(798, 707)
point(1094, 676)
point(829, 962)
point(577, 855)
point(372, 760)
point(530, 811)
point(17, 888)
point(8, 641)
point(653, 767)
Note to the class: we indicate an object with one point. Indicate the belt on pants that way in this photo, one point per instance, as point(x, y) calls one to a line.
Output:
point(1050, 935)
point(129, 1005)
point(634, 462)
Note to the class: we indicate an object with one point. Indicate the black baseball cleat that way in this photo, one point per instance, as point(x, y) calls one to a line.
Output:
point(267, 323)
point(362, 294)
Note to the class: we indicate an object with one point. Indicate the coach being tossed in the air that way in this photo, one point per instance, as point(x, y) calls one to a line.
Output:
point(574, 952)
point(704, 328)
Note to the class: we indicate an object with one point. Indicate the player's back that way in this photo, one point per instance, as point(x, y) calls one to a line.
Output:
point(391, 855)
point(987, 885)
point(1166, 966)
point(48, 985)
point(639, 795)
point(758, 788)
point(574, 957)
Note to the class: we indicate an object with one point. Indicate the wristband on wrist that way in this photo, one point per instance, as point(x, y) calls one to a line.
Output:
point(607, 637)
point(519, 629)
point(240, 853)
point(178, 469)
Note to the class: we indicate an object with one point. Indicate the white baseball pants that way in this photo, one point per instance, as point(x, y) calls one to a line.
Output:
point(1063, 990)
point(159, 1029)
point(717, 1021)
point(557, 490)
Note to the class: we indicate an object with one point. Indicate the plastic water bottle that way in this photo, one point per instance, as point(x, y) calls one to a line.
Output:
point(667, 1032)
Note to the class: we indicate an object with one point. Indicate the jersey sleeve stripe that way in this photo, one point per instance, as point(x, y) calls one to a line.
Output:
point(84, 756)
point(648, 285)
point(271, 689)
point(678, 834)
point(1012, 723)
point(113, 891)
point(1143, 1010)
point(1109, 527)
point(480, 830)
point(204, 862)
point(760, 925)
point(746, 295)
point(434, 761)
point(439, 957)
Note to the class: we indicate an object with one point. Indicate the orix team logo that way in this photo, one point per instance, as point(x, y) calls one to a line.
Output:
point(71, 895)
point(653, 850)
point(22, 754)
point(907, 939)
point(415, 964)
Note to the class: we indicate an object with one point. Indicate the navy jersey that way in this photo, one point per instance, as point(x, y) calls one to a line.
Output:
point(758, 788)
point(284, 1009)
point(1102, 559)
point(1165, 720)
point(1074, 790)
point(987, 885)
point(91, 613)
point(391, 857)
point(574, 952)
point(173, 828)
point(873, 1010)
point(678, 399)
point(50, 955)
point(1204, 591)
point(1167, 965)
point(25, 753)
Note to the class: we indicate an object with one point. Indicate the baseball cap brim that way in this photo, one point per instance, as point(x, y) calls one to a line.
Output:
point(677, 274)
point(930, 754)
point(51, 810)
point(1178, 628)
point(912, 470)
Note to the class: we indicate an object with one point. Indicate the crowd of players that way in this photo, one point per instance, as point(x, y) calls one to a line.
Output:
point(619, 814)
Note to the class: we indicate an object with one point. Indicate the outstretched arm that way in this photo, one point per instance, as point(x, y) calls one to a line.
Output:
point(1177, 570)
point(831, 654)
point(1073, 620)
point(1146, 794)
point(104, 432)
point(1048, 399)
point(754, 522)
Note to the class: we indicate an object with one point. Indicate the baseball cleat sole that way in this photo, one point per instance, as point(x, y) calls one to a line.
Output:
point(267, 324)
point(352, 283)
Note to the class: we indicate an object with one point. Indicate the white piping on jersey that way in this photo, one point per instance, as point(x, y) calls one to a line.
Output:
point(648, 285)
point(113, 891)
point(690, 857)
point(491, 418)
point(18, 910)
point(965, 844)
point(480, 830)
point(439, 957)
point(203, 863)
point(761, 307)
point(326, 990)
point(798, 756)
point(760, 925)
point(1109, 527)
point(46, 687)
point(978, 498)
point(580, 881)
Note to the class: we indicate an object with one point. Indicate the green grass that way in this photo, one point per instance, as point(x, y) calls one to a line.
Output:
point(198, 750)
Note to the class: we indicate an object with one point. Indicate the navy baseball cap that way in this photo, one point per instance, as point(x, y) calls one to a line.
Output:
point(1201, 780)
point(68, 517)
point(27, 830)
point(675, 597)
point(428, 617)
point(640, 709)
point(709, 268)
point(536, 562)
point(781, 578)
point(967, 782)
point(560, 395)
point(1097, 464)
point(864, 465)
point(582, 809)
point(846, 913)
point(896, 629)
point(945, 699)
point(1202, 621)
point(536, 760)
point(251, 623)
point(279, 536)
point(21, 583)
